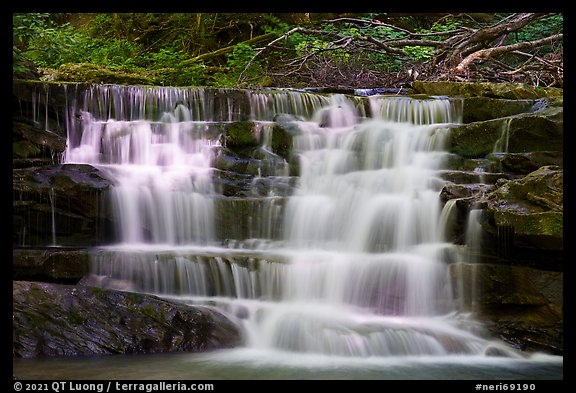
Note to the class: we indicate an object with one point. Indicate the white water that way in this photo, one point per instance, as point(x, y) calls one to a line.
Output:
point(161, 170)
point(362, 269)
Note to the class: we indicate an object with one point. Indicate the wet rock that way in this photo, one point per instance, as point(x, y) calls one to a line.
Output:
point(59, 202)
point(51, 264)
point(486, 108)
point(513, 91)
point(240, 134)
point(524, 163)
point(522, 305)
point(531, 207)
point(29, 141)
point(92, 73)
point(62, 320)
point(527, 132)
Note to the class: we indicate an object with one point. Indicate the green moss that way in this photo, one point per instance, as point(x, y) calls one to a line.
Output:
point(61, 181)
point(281, 141)
point(99, 292)
point(240, 134)
point(148, 309)
point(135, 297)
point(36, 320)
point(475, 139)
point(506, 90)
point(75, 319)
point(545, 223)
point(91, 73)
point(25, 149)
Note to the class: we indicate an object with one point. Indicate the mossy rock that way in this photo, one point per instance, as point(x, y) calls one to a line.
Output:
point(62, 320)
point(513, 91)
point(282, 141)
point(30, 141)
point(526, 132)
point(541, 230)
point(539, 191)
point(240, 134)
point(486, 108)
point(518, 304)
point(25, 149)
point(91, 73)
point(531, 207)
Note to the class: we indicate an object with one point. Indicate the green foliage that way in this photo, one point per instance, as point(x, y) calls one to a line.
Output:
point(419, 53)
point(273, 24)
point(54, 46)
point(446, 23)
point(241, 54)
point(542, 28)
point(236, 62)
point(27, 29)
point(195, 74)
point(26, 26)
point(161, 44)
point(112, 53)
point(386, 32)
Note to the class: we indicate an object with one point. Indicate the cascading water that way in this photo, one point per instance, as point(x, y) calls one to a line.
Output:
point(366, 274)
point(361, 269)
point(161, 168)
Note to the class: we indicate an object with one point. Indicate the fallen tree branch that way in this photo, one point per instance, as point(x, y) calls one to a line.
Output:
point(490, 33)
point(486, 53)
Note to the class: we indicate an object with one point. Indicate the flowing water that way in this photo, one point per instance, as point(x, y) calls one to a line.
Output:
point(343, 276)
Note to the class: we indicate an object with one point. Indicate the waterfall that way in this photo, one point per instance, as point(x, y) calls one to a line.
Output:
point(501, 145)
point(366, 271)
point(359, 262)
point(160, 163)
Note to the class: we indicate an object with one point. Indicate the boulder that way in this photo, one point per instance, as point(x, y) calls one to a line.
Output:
point(240, 134)
point(92, 73)
point(29, 141)
point(66, 320)
point(524, 163)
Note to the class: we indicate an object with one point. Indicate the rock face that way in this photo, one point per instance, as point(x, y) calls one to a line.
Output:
point(509, 166)
point(526, 132)
point(513, 91)
point(521, 305)
point(63, 203)
point(531, 206)
point(55, 265)
point(61, 320)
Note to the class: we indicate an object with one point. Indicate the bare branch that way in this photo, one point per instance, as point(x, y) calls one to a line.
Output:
point(486, 53)
point(372, 22)
point(375, 22)
point(284, 36)
point(538, 59)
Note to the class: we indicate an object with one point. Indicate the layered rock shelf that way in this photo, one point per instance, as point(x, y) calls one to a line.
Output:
point(505, 162)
